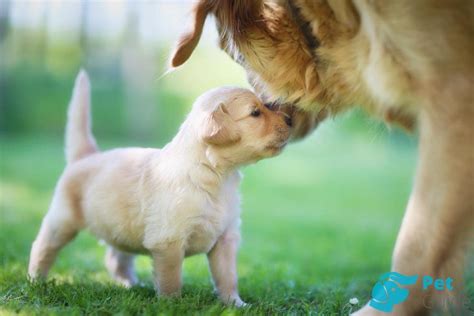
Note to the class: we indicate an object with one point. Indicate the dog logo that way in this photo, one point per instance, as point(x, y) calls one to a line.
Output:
point(387, 291)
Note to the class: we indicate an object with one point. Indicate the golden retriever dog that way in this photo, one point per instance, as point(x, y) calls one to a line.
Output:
point(407, 62)
point(170, 203)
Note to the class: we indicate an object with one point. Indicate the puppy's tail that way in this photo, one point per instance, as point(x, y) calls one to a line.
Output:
point(79, 139)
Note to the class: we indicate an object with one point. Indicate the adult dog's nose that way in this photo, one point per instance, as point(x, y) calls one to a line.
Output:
point(275, 107)
point(272, 106)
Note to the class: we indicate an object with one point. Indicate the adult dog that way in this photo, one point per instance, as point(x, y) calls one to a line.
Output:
point(408, 62)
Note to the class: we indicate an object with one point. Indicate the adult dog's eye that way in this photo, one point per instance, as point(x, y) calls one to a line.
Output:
point(255, 113)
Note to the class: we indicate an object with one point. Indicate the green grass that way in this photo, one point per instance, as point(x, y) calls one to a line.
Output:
point(319, 224)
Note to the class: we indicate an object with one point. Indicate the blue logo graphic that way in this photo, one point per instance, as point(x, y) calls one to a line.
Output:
point(387, 291)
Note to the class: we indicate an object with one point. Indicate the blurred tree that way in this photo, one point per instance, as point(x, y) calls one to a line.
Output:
point(4, 19)
point(4, 30)
point(138, 76)
point(83, 35)
point(42, 39)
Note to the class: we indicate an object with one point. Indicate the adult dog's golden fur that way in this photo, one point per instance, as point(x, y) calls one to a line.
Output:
point(407, 62)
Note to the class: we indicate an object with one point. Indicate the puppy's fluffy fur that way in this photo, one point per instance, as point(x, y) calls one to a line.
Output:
point(170, 203)
point(408, 62)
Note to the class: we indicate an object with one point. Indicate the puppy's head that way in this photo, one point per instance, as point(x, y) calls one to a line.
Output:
point(238, 127)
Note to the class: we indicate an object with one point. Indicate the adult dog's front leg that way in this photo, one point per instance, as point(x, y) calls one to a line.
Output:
point(437, 230)
point(439, 222)
point(223, 265)
point(167, 266)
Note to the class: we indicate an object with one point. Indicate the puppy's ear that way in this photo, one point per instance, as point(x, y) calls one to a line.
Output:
point(190, 39)
point(219, 128)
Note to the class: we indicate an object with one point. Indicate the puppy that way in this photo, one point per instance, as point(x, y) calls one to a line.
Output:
point(406, 62)
point(170, 203)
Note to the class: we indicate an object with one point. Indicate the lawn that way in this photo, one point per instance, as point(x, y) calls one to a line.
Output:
point(319, 223)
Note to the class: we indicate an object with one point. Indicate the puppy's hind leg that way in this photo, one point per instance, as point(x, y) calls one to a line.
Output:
point(59, 227)
point(121, 266)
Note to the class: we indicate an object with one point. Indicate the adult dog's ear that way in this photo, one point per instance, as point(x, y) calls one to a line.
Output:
point(219, 128)
point(189, 40)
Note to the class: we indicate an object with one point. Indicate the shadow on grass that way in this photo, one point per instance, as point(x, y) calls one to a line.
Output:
point(83, 295)
point(91, 297)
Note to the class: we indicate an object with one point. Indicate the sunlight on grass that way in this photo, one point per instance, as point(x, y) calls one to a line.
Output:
point(319, 223)
point(307, 217)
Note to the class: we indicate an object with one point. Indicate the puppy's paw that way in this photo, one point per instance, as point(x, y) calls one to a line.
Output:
point(169, 293)
point(234, 300)
point(127, 283)
point(239, 303)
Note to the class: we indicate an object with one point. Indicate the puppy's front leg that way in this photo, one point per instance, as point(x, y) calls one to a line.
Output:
point(167, 263)
point(223, 265)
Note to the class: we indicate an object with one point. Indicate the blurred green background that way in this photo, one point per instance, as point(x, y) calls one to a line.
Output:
point(319, 221)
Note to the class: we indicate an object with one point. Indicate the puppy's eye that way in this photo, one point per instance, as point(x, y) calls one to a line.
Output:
point(255, 113)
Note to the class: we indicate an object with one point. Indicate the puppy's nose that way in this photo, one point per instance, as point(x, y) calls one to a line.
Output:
point(288, 121)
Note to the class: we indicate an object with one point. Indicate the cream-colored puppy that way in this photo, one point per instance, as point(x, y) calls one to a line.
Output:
point(169, 203)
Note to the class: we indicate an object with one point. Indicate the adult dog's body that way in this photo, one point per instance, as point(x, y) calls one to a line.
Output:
point(408, 62)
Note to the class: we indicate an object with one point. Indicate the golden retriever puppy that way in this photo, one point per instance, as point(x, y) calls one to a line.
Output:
point(407, 62)
point(170, 203)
